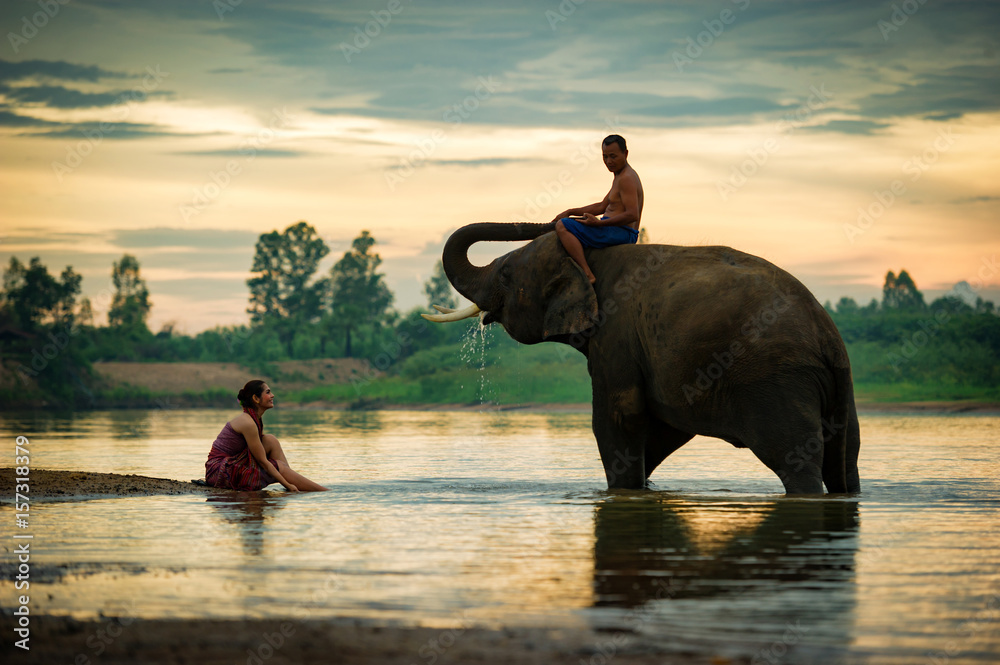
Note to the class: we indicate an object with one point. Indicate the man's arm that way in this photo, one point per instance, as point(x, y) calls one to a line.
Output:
point(592, 209)
point(628, 189)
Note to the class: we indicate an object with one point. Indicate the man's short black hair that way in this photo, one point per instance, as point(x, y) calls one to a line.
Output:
point(614, 138)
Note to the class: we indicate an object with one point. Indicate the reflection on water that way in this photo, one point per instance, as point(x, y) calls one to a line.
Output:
point(719, 571)
point(247, 512)
point(718, 548)
point(441, 518)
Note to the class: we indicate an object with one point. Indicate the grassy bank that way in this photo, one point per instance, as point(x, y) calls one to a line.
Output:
point(499, 371)
point(491, 369)
point(502, 372)
point(920, 392)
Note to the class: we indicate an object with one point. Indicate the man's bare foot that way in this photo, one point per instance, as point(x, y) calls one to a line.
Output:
point(592, 277)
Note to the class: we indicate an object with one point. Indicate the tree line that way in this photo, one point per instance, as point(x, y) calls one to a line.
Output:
point(49, 335)
point(949, 344)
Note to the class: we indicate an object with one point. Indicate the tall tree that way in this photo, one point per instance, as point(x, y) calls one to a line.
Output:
point(35, 297)
point(130, 305)
point(901, 292)
point(280, 293)
point(360, 295)
point(847, 305)
point(438, 289)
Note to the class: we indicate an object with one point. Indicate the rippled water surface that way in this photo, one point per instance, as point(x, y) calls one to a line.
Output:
point(442, 518)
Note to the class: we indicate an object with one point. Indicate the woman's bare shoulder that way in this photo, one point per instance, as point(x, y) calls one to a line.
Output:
point(241, 420)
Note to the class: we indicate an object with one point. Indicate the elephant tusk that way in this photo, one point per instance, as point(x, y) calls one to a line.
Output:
point(452, 315)
point(443, 310)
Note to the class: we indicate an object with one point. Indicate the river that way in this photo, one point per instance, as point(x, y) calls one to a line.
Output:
point(503, 518)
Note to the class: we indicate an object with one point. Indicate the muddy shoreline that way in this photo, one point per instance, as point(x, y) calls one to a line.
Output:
point(115, 640)
point(46, 484)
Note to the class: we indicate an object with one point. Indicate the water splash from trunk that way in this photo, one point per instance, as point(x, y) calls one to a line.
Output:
point(473, 354)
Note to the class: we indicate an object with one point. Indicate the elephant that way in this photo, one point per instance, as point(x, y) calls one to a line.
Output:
point(679, 341)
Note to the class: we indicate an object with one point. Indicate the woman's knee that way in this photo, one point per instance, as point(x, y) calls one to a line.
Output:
point(270, 442)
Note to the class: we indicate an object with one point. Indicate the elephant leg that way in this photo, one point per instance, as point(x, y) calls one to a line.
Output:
point(662, 440)
point(853, 450)
point(621, 426)
point(791, 445)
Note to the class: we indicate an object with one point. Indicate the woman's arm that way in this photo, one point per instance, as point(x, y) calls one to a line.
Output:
point(245, 425)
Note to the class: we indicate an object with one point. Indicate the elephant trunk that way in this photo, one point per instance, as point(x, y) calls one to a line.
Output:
point(471, 281)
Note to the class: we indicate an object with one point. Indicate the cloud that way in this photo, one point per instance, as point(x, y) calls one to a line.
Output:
point(474, 163)
point(194, 239)
point(9, 119)
point(259, 152)
point(974, 199)
point(57, 96)
point(107, 130)
point(862, 127)
point(674, 107)
point(54, 69)
point(945, 95)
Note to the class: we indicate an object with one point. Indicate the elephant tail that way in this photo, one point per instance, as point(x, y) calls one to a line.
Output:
point(837, 427)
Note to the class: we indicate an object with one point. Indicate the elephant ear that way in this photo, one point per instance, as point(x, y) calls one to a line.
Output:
point(571, 302)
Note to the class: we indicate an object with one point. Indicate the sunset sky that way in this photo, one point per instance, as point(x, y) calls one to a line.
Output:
point(180, 131)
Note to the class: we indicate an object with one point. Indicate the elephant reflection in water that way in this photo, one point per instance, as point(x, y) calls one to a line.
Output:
point(739, 574)
point(710, 550)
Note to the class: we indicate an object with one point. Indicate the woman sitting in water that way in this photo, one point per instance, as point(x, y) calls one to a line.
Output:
point(244, 458)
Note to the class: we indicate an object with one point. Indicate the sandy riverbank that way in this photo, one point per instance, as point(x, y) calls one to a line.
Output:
point(46, 484)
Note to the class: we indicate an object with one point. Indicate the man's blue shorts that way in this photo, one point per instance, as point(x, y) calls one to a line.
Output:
point(600, 236)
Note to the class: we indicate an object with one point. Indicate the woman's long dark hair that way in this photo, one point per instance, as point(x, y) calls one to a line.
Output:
point(253, 388)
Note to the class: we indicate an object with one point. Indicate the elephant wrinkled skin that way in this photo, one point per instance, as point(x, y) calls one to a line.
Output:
point(680, 341)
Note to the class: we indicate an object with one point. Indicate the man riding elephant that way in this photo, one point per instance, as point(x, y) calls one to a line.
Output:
point(620, 210)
